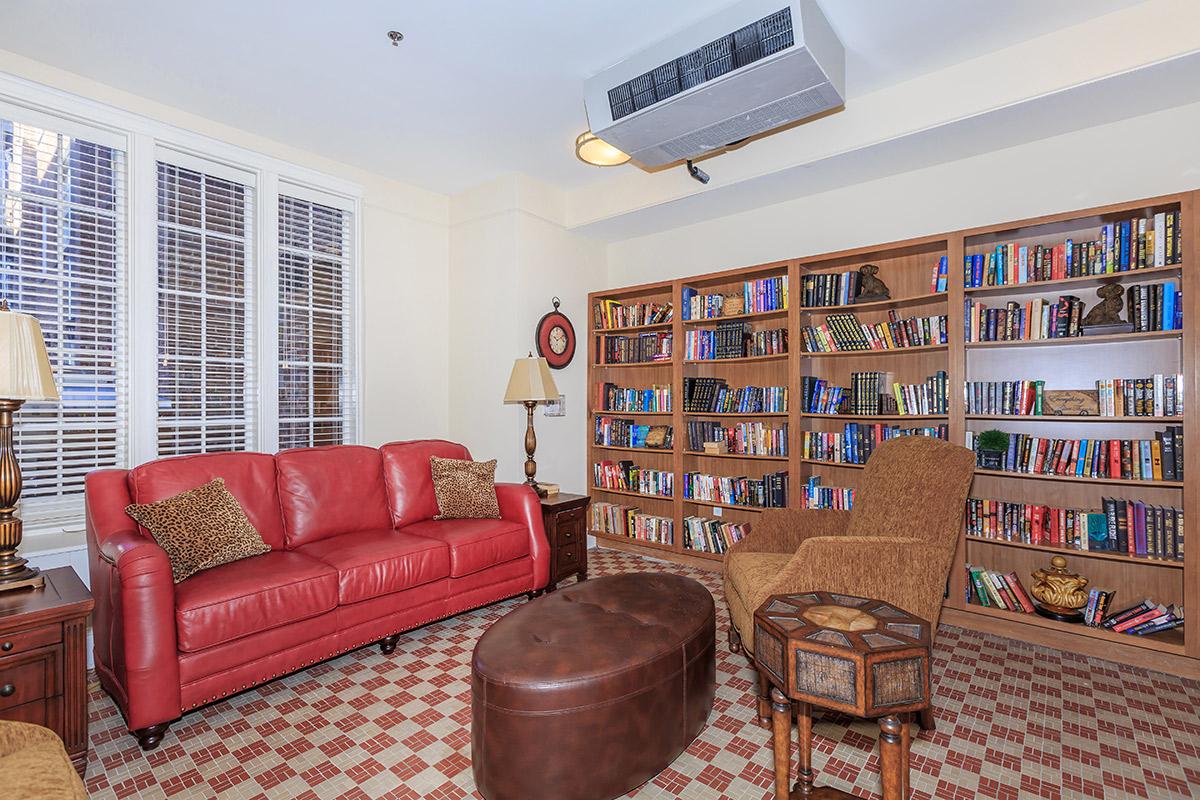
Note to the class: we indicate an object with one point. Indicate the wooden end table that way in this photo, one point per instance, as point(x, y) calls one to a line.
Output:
point(844, 653)
point(43, 658)
point(564, 518)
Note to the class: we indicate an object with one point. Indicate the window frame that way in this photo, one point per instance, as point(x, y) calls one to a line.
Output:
point(145, 141)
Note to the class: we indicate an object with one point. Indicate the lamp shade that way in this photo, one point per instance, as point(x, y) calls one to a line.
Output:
point(530, 381)
point(24, 365)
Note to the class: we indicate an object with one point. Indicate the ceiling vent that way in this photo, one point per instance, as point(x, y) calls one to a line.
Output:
point(754, 67)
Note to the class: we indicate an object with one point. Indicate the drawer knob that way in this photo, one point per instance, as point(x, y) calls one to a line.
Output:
point(7, 689)
point(6, 646)
point(568, 534)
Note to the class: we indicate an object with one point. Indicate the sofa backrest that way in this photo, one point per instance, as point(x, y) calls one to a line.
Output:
point(250, 477)
point(325, 491)
point(409, 480)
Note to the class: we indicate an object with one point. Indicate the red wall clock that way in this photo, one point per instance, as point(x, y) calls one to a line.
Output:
point(555, 338)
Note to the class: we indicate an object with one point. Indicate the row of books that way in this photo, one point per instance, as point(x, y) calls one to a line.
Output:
point(1119, 247)
point(608, 314)
point(941, 275)
point(634, 349)
point(625, 476)
point(1128, 527)
point(623, 520)
point(997, 590)
point(1035, 319)
point(1156, 395)
point(814, 495)
point(1143, 619)
point(843, 332)
point(829, 289)
point(1155, 306)
point(769, 491)
point(757, 296)
point(734, 340)
point(857, 440)
point(1157, 459)
point(618, 432)
point(743, 438)
point(1015, 398)
point(656, 399)
point(712, 535)
point(715, 396)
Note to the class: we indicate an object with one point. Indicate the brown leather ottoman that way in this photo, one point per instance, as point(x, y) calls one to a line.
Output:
point(590, 692)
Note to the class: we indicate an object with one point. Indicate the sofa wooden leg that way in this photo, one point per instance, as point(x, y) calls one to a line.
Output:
point(388, 644)
point(925, 719)
point(735, 640)
point(150, 738)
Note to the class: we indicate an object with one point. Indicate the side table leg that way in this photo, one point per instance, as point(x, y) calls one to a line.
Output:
point(804, 724)
point(893, 759)
point(781, 717)
point(906, 747)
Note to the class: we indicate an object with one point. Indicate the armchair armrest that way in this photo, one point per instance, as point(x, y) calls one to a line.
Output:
point(909, 573)
point(782, 530)
point(134, 618)
point(519, 503)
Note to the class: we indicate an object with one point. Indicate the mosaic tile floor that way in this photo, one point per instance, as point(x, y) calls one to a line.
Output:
point(1014, 721)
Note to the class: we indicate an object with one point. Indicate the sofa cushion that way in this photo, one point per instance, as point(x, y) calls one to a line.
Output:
point(249, 477)
point(409, 479)
point(249, 596)
point(326, 491)
point(373, 563)
point(475, 544)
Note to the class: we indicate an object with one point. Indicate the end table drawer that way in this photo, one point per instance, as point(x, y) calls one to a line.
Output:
point(23, 680)
point(17, 642)
point(568, 558)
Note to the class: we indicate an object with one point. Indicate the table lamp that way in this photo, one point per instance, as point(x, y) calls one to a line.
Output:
point(530, 384)
point(24, 375)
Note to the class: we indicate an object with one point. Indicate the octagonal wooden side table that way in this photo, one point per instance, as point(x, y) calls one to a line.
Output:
point(844, 653)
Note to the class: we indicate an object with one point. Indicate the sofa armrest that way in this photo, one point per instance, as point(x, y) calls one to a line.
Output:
point(783, 530)
point(519, 503)
point(908, 573)
point(134, 618)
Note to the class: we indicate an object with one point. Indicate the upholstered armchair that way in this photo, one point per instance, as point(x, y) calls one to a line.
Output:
point(34, 764)
point(897, 545)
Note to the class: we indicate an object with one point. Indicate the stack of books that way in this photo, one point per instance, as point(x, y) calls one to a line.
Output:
point(858, 440)
point(997, 398)
point(626, 476)
point(769, 491)
point(743, 438)
point(758, 296)
point(734, 340)
point(1153, 396)
point(656, 399)
point(997, 590)
point(712, 536)
point(618, 432)
point(634, 349)
point(1145, 618)
point(815, 495)
point(1157, 459)
point(1125, 246)
point(623, 520)
point(714, 396)
point(1155, 307)
point(844, 332)
point(821, 397)
point(1035, 319)
point(608, 314)
point(829, 289)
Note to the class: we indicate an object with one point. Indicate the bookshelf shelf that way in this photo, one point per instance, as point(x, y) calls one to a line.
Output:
point(874, 417)
point(1069, 551)
point(742, 360)
point(701, 454)
point(640, 542)
point(754, 509)
point(626, 493)
point(1073, 418)
point(1029, 476)
point(655, 326)
point(1076, 341)
point(924, 348)
point(1083, 281)
point(778, 314)
point(654, 450)
point(877, 305)
point(907, 267)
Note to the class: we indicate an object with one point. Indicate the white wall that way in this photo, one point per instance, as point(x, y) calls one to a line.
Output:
point(508, 258)
point(1139, 157)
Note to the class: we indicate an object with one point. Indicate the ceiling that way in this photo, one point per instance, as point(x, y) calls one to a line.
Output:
point(476, 90)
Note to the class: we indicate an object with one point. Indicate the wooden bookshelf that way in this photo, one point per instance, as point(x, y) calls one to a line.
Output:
point(1069, 363)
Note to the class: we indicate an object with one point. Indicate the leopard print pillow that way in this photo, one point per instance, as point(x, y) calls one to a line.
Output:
point(464, 489)
point(199, 529)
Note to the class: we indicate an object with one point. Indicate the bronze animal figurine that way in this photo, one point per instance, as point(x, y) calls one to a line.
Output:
point(1108, 312)
point(870, 287)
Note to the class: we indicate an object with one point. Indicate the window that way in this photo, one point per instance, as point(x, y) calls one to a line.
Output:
point(62, 259)
point(206, 386)
point(317, 400)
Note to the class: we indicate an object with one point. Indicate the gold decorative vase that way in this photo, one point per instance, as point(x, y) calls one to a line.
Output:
point(1059, 594)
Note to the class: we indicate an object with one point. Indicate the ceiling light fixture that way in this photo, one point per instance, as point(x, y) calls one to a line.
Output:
point(591, 149)
point(397, 37)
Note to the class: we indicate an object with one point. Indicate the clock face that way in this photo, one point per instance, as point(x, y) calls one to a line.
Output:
point(555, 339)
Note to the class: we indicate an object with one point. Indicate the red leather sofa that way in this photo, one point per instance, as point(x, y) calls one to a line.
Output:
point(356, 557)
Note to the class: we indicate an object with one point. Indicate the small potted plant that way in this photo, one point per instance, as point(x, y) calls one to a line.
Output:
point(992, 445)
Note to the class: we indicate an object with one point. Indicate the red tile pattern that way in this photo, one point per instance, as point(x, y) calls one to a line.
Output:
point(1014, 721)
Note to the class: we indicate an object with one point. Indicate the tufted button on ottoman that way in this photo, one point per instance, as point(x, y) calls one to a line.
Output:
point(592, 691)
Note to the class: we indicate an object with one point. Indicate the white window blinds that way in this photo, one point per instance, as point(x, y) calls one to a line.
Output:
point(62, 259)
point(206, 379)
point(317, 396)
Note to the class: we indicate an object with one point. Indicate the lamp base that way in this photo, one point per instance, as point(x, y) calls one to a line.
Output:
point(30, 578)
point(537, 489)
